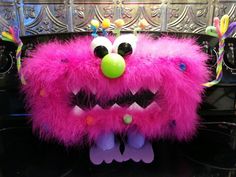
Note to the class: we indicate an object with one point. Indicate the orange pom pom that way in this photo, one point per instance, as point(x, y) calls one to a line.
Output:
point(143, 24)
point(119, 23)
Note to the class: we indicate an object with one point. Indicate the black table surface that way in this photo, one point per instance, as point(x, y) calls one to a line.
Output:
point(210, 154)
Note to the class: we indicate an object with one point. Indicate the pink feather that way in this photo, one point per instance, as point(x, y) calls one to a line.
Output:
point(59, 68)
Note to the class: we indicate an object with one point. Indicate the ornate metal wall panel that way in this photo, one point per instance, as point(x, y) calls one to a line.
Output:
point(55, 16)
point(82, 15)
point(45, 18)
point(187, 17)
point(131, 12)
point(8, 14)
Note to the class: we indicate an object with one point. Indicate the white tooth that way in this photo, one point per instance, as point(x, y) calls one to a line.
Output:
point(134, 91)
point(153, 104)
point(135, 107)
point(153, 90)
point(115, 106)
point(77, 111)
point(97, 107)
point(93, 90)
point(75, 91)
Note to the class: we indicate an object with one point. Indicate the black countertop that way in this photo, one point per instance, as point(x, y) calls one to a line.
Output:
point(210, 154)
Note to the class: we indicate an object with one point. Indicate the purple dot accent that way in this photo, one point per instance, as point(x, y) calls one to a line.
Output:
point(172, 123)
point(64, 60)
point(45, 128)
point(182, 66)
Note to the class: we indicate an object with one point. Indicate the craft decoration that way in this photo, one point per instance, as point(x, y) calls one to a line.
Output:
point(141, 26)
point(105, 24)
point(119, 23)
point(113, 60)
point(94, 24)
point(134, 86)
point(222, 30)
point(94, 27)
point(14, 36)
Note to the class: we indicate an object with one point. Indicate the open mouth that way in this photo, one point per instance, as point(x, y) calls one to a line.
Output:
point(87, 100)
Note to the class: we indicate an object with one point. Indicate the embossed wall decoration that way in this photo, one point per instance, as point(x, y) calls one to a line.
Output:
point(45, 18)
point(8, 15)
point(57, 16)
point(188, 18)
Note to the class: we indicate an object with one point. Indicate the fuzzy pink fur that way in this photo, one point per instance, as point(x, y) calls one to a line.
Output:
point(58, 68)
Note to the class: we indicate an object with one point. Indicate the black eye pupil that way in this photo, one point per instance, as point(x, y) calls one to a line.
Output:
point(100, 51)
point(125, 49)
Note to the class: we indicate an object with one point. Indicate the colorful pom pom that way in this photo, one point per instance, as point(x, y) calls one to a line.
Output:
point(106, 23)
point(119, 23)
point(143, 24)
point(127, 119)
point(89, 120)
point(95, 23)
point(42, 93)
point(94, 27)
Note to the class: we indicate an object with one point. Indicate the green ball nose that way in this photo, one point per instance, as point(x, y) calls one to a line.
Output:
point(113, 65)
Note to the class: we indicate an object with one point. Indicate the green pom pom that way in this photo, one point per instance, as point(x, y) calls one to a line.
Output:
point(127, 119)
point(113, 65)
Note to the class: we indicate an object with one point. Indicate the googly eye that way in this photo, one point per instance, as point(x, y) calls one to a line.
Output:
point(125, 44)
point(100, 51)
point(101, 46)
point(125, 49)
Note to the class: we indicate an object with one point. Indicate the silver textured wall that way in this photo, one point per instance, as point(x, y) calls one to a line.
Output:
point(55, 16)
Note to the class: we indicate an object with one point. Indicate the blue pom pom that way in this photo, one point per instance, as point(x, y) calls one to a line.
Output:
point(182, 66)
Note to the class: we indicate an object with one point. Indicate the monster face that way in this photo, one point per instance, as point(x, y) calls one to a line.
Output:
point(96, 86)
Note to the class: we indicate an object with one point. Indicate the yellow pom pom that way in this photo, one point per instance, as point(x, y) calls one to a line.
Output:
point(106, 23)
point(143, 24)
point(119, 23)
point(95, 23)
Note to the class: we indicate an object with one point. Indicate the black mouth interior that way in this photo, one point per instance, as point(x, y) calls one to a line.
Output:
point(87, 100)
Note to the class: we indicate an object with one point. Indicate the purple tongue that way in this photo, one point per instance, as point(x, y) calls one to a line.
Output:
point(135, 139)
point(146, 154)
point(97, 155)
point(106, 141)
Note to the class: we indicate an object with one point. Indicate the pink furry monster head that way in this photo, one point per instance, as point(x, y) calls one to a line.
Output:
point(71, 100)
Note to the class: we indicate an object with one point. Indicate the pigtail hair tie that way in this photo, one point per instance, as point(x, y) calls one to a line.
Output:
point(14, 36)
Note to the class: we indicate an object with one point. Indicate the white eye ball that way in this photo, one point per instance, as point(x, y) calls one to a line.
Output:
point(101, 46)
point(125, 44)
